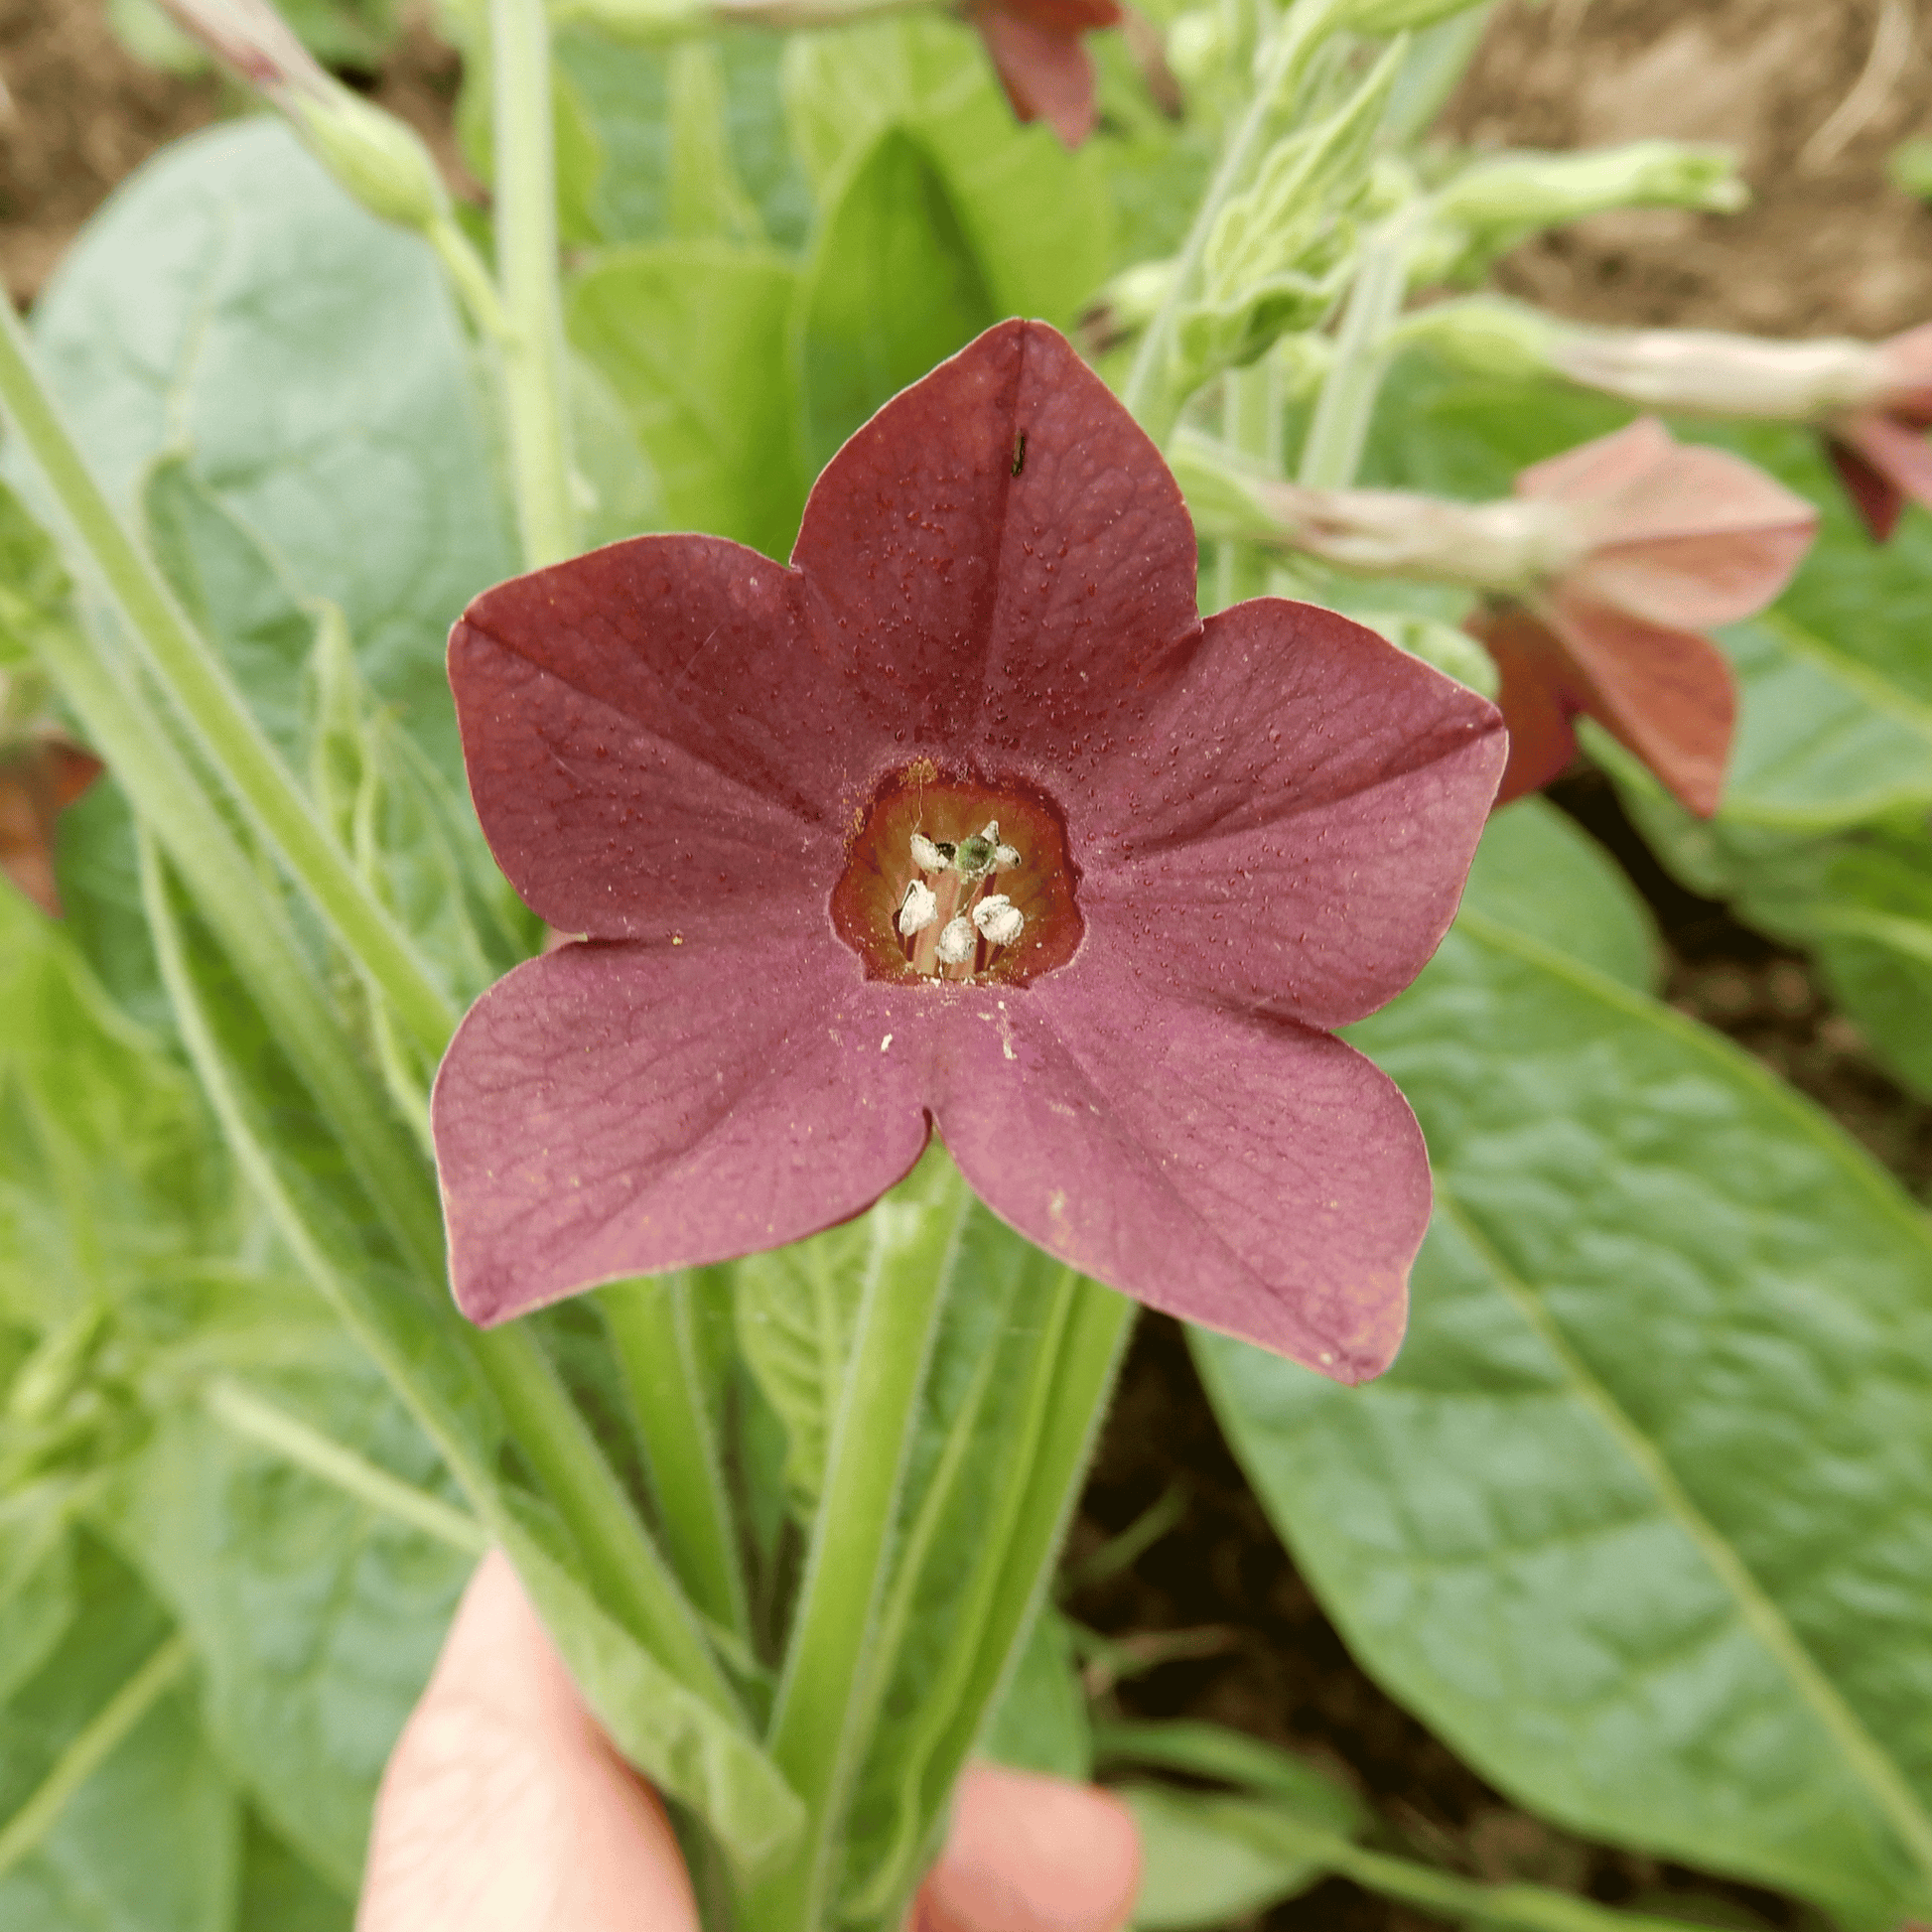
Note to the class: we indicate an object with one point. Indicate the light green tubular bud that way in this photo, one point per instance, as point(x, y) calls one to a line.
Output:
point(1485, 334)
point(381, 160)
point(378, 159)
point(1499, 201)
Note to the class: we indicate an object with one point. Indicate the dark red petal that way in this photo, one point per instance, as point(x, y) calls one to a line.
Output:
point(1294, 830)
point(1240, 1172)
point(1897, 455)
point(1024, 620)
point(620, 1110)
point(1668, 696)
point(36, 786)
point(1045, 71)
point(652, 746)
point(1878, 502)
point(1541, 693)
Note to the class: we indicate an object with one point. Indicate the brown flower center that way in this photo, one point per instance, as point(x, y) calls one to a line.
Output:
point(952, 879)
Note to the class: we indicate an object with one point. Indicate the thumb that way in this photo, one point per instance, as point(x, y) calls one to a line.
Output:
point(504, 1809)
point(1030, 1854)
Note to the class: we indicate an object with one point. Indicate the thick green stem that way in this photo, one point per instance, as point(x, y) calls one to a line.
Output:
point(1151, 390)
point(98, 1742)
point(654, 1330)
point(197, 683)
point(626, 1569)
point(535, 370)
point(815, 1736)
point(1338, 433)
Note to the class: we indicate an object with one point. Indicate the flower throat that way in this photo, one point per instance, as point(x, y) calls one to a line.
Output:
point(957, 879)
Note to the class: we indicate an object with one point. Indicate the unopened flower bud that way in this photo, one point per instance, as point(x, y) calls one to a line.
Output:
point(379, 160)
point(918, 910)
point(1125, 305)
point(956, 942)
point(999, 919)
point(1712, 373)
point(1485, 335)
point(930, 857)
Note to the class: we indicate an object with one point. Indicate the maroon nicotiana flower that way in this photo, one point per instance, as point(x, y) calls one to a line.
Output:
point(1037, 49)
point(1879, 449)
point(40, 778)
point(1655, 543)
point(964, 820)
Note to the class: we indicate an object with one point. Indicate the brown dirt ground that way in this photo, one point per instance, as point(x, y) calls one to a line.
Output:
point(1829, 247)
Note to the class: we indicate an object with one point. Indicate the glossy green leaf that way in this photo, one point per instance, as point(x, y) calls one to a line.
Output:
point(1209, 1859)
point(1538, 872)
point(1634, 1522)
point(317, 1615)
point(1042, 1722)
point(626, 94)
point(895, 287)
point(280, 1893)
point(1821, 740)
point(1040, 219)
point(232, 306)
point(693, 338)
point(150, 1841)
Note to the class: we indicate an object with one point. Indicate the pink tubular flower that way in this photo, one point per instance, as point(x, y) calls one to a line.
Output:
point(1879, 449)
point(1658, 542)
point(967, 820)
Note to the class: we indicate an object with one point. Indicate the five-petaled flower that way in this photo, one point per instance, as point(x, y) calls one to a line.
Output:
point(1648, 544)
point(965, 819)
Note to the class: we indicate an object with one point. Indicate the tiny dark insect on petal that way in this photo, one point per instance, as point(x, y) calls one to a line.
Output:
point(1019, 451)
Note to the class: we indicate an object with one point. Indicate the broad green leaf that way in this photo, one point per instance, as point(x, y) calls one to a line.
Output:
point(38, 1599)
point(105, 1159)
point(317, 1616)
point(707, 201)
point(231, 305)
point(235, 590)
point(1209, 1859)
point(617, 485)
point(1821, 740)
point(1873, 934)
point(693, 339)
point(1040, 219)
point(280, 1893)
point(1538, 872)
point(1869, 602)
point(795, 1310)
point(1042, 1722)
point(894, 288)
point(149, 1843)
point(1634, 1522)
point(626, 94)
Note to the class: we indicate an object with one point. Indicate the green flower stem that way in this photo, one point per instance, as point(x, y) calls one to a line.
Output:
point(471, 278)
point(653, 1331)
point(1150, 391)
point(815, 1734)
point(275, 1429)
point(1338, 432)
point(97, 1743)
point(625, 1568)
point(199, 684)
point(534, 370)
point(428, 1354)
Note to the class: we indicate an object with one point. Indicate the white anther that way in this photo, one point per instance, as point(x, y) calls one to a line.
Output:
point(999, 919)
point(925, 854)
point(1005, 856)
point(918, 910)
point(956, 943)
point(990, 831)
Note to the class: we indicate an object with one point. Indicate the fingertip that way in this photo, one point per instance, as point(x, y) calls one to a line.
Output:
point(1033, 1854)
